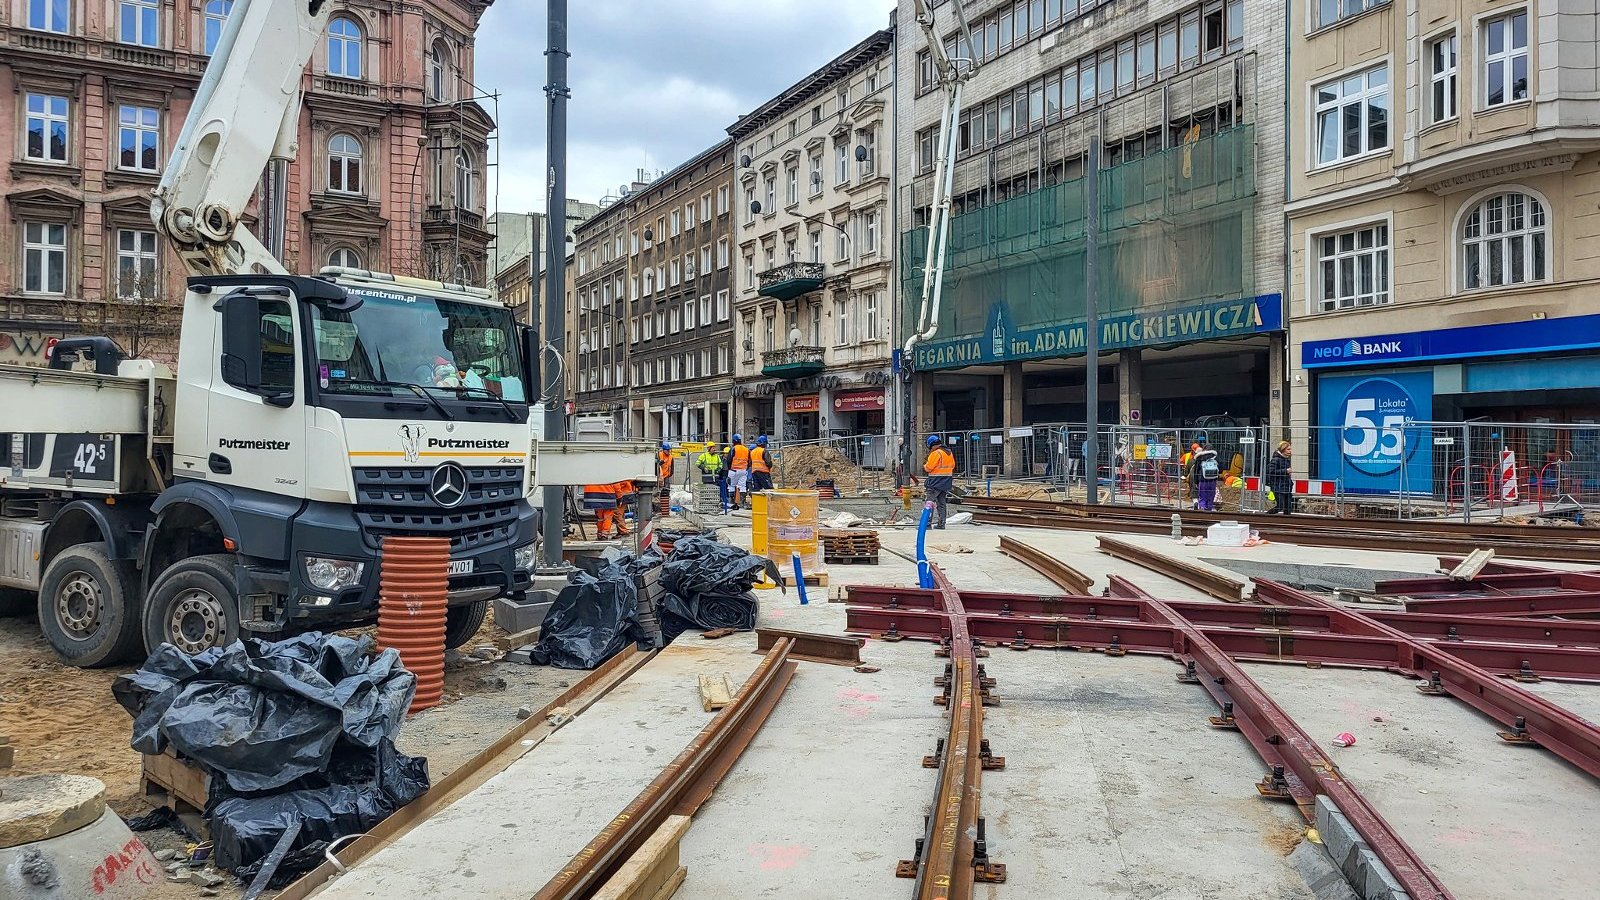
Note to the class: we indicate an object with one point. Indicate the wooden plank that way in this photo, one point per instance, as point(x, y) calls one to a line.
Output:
point(715, 692)
point(813, 579)
point(834, 649)
point(506, 643)
point(655, 871)
point(185, 786)
point(1475, 562)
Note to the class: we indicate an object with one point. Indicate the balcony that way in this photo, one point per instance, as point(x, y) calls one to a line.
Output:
point(450, 217)
point(791, 280)
point(792, 362)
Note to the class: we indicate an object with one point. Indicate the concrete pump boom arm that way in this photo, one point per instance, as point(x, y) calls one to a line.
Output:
point(245, 114)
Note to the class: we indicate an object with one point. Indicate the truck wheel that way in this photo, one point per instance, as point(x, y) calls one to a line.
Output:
point(462, 622)
point(89, 606)
point(194, 605)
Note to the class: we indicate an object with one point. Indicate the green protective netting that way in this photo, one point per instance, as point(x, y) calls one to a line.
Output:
point(1176, 228)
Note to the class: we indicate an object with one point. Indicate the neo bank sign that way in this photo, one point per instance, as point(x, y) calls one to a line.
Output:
point(1354, 350)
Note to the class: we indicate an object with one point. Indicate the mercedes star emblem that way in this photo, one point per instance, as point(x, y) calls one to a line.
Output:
point(448, 485)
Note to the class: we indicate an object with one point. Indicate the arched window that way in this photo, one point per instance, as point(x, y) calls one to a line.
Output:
point(216, 12)
point(344, 257)
point(344, 48)
point(466, 176)
point(1504, 239)
point(439, 72)
point(344, 164)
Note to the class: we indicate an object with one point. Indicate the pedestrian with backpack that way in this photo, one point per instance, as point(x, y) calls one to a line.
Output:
point(1204, 471)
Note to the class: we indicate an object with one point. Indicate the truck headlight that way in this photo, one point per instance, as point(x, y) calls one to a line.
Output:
point(333, 574)
point(524, 556)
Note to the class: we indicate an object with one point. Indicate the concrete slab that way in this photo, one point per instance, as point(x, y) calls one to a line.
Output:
point(505, 840)
point(1115, 787)
point(1492, 820)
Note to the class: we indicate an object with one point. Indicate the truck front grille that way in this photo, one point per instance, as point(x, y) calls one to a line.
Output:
point(398, 502)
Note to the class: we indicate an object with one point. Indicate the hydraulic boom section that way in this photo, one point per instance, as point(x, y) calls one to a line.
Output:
point(245, 114)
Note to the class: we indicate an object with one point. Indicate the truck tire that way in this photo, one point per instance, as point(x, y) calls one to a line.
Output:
point(89, 606)
point(194, 605)
point(462, 622)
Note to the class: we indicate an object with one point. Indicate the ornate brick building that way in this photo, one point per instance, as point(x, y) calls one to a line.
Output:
point(390, 174)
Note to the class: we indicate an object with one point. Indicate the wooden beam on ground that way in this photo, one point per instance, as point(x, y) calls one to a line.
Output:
point(653, 873)
point(833, 649)
point(1475, 562)
point(716, 691)
point(506, 643)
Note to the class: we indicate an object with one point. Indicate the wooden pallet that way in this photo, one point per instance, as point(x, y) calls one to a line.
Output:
point(178, 785)
point(850, 560)
point(848, 542)
point(813, 579)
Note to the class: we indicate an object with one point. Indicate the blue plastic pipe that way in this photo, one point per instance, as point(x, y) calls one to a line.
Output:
point(799, 577)
point(924, 571)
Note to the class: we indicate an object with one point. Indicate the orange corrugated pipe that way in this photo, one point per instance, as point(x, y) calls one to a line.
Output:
point(414, 574)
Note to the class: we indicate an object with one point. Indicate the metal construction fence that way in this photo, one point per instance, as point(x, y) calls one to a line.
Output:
point(1472, 471)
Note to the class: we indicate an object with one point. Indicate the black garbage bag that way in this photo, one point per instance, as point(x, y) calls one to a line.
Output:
point(260, 714)
point(708, 611)
point(702, 565)
point(363, 788)
point(591, 620)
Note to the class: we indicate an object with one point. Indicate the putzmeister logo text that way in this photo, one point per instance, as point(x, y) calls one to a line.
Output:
point(236, 444)
point(459, 444)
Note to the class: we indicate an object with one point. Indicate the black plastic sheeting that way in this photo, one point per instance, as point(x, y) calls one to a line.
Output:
point(298, 729)
point(260, 714)
point(707, 585)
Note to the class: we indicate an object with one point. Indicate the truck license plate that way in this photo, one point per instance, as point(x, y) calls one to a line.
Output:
point(461, 566)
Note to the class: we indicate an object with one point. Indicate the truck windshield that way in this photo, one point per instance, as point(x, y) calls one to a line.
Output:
point(397, 338)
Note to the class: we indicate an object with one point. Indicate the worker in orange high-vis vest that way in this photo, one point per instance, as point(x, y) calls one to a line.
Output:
point(739, 473)
point(941, 471)
point(602, 499)
point(664, 472)
point(760, 466)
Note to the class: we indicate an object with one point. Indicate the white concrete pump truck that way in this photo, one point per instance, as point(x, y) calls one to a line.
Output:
point(308, 419)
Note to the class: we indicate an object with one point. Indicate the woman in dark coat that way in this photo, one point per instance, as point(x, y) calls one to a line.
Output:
point(1280, 480)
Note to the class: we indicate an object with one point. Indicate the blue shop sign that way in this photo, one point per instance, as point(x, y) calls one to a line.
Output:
point(1530, 336)
point(1368, 438)
point(1003, 342)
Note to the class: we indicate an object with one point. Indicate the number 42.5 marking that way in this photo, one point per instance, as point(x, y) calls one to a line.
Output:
point(87, 456)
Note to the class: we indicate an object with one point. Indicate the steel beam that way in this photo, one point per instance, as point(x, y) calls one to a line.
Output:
point(1573, 604)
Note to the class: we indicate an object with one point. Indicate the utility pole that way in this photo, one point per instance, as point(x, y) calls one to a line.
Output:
point(555, 415)
point(1091, 324)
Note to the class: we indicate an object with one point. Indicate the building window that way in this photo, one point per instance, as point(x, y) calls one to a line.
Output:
point(1352, 115)
point(926, 140)
point(749, 272)
point(1503, 241)
point(49, 15)
point(816, 246)
point(688, 216)
point(1331, 11)
point(722, 200)
point(439, 72)
point(688, 315)
point(139, 136)
point(344, 258)
point(705, 260)
point(47, 128)
point(44, 258)
point(841, 321)
point(705, 207)
point(816, 324)
point(1354, 268)
point(344, 164)
point(772, 196)
point(841, 164)
point(722, 253)
point(869, 316)
point(136, 264)
point(139, 22)
point(869, 142)
point(842, 244)
point(466, 182)
point(771, 326)
point(216, 13)
point(705, 310)
point(677, 223)
point(344, 48)
point(1442, 78)
point(722, 306)
point(870, 229)
point(1505, 59)
point(792, 176)
point(816, 174)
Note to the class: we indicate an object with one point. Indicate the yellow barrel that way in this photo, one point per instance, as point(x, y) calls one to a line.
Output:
point(791, 519)
point(758, 524)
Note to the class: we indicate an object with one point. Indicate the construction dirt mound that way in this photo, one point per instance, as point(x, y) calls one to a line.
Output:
point(803, 467)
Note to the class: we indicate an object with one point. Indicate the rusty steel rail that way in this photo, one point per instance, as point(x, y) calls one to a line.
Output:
point(1529, 718)
point(952, 855)
point(1305, 531)
point(683, 785)
point(1298, 768)
point(1201, 578)
point(1060, 574)
point(833, 649)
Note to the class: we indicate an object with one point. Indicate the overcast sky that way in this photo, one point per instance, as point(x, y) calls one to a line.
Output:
point(653, 81)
